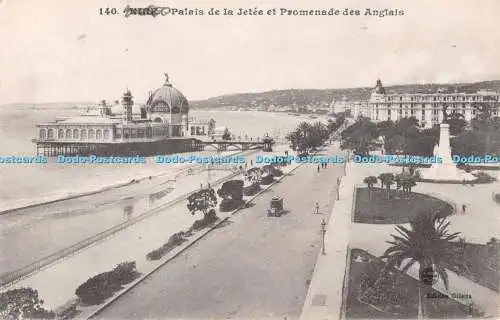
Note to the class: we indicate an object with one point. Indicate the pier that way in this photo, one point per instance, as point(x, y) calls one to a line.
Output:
point(146, 147)
point(223, 145)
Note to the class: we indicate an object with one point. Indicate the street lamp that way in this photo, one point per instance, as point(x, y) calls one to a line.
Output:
point(338, 188)
point(323, 231)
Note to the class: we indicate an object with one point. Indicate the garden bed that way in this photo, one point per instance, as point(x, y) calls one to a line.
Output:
point(482, 264)
point(103, 286)
point(174, 241)
point(400, 298)
point(476, 181)
point(375, 207)
point(481, 178)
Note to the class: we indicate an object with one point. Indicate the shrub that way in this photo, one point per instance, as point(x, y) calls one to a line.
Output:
point(175, 240)
point(278, 173)
point(99, 288)
point(230, 205)
point(251, 189)
point(267, 179)
point(207, 221)
point(497, 197)
point(483, 177)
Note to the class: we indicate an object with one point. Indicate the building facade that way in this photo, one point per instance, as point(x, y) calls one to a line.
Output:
point(353, 108)
point(428, 107)
point(163, 124)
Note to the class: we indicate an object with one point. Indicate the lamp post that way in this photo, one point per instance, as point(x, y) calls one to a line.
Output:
point(338, 188)
point(323, 231)
point(209, 173)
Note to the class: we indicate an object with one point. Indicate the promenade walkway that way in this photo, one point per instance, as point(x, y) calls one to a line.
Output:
point(324, 298)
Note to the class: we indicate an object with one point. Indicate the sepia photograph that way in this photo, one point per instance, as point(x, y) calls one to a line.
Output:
point(249, 159)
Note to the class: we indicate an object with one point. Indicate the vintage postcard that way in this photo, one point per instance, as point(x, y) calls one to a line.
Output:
point(307, 160)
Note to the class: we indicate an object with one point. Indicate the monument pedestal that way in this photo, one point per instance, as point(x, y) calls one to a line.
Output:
point(447, 170)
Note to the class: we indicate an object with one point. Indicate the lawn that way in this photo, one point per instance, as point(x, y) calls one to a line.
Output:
point(402, 297)
point(481, 265)
point(377, 208)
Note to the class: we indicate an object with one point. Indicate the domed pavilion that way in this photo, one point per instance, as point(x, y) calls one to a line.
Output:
point(169, 106)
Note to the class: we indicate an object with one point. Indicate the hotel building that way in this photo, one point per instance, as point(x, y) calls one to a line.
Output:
point(428, 107)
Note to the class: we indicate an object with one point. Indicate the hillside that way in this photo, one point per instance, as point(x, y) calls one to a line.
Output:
point(323, 97)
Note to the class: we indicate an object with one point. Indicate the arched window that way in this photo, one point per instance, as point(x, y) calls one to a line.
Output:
point(50, 134)
point(84, 135)
point(91, 134)
point(98, 134)
point(176, 110)
point(106, 134)
point(43, 134)
point(68, 134)
point(76, 133)
point(60, 134)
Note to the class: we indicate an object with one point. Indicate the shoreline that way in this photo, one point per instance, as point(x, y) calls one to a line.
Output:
point(31, 203)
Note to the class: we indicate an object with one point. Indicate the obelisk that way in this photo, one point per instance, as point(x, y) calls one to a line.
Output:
point(447, 169)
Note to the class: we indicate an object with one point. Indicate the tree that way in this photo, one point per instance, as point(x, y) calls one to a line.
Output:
point(23, 303)
point(203, 201)
point(360, 136)
point(388, 183)
point(232, 190)
point(254, 175)
point(386, 128)
point(427, 242)
point(304, 129)
point(384, 177)
point(226, 135)
point(318, 134)
point(468, 144)
point(370, 181)
point(406, 181)
point(387, 180)
point(457, 123)
point(295, 138)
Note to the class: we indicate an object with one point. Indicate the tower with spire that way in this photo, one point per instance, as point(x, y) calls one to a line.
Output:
point(127, 103)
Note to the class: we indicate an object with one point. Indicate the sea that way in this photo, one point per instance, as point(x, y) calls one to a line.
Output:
point(26, 184)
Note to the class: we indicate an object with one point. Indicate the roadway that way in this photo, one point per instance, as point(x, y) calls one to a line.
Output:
point(253, 267)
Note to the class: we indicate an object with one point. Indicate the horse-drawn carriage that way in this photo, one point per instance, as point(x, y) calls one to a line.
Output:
point(275, 207)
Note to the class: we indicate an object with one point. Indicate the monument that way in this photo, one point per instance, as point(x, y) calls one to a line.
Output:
point(447, 169)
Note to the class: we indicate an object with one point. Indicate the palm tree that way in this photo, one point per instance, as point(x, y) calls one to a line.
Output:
point(387, 180)
point(427, 242)
point(406, 181)
point(370, 181)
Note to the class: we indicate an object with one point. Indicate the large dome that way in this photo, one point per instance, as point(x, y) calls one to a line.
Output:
point(167, 99)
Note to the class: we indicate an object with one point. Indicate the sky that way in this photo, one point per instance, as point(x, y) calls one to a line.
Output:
point(61, 50)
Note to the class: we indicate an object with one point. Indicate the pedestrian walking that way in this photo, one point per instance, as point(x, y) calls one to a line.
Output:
point(463, 208)
point(318, 167)
point(317, 207)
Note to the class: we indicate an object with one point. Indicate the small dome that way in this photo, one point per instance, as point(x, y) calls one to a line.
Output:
point(379, 88)
point(167, 99)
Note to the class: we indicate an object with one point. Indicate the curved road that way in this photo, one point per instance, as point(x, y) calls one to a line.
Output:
point(252, 267)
